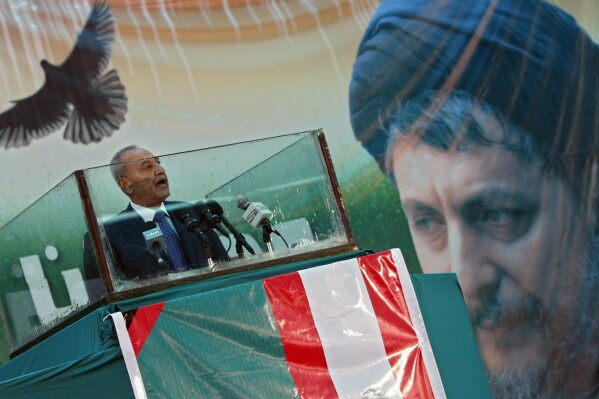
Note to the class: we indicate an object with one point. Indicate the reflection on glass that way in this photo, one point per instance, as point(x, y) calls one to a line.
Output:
point(43, 279)
point(293, 184)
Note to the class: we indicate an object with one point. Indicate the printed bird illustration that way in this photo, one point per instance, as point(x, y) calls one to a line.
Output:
point(94, 104)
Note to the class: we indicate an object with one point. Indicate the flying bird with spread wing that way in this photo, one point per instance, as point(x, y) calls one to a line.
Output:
point(94, 104)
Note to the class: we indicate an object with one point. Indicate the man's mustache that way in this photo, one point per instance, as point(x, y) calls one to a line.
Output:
point(497, 313)
point(162, 179)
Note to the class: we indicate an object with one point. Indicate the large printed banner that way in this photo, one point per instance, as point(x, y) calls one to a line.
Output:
point(349, 329)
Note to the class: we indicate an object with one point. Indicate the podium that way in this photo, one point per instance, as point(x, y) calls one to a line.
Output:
point(58, 312)
point(45, 286)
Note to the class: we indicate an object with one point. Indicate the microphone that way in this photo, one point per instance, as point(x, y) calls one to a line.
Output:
point(256, 213)
point(213, 221)
point(190, 223)
point(155, 242)
point(218, 210)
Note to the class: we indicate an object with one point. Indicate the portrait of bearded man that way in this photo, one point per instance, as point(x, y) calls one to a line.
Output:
point(484, 114)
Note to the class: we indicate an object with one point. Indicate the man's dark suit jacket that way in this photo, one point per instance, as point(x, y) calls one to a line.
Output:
point(131, 256)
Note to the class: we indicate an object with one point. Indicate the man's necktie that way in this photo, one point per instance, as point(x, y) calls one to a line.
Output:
point(173, 245)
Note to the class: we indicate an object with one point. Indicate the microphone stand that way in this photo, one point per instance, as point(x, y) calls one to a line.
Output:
point(205, 242)
point(163, 262)
point(192, 225)
point(206, 249)
point(239, 248)
point(240, 241)
point(266, 232)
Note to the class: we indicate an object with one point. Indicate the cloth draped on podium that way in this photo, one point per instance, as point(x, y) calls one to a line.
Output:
point(348, 329)
point(85, 359)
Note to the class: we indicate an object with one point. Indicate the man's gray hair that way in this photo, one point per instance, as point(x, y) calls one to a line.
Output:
point(116, 166)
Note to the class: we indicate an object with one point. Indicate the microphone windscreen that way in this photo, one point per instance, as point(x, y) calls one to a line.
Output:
point(201, 207)
point(181, 214)
point(243, 202)
point(149, 226)
point(215, 207)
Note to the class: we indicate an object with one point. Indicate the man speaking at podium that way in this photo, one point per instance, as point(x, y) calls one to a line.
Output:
point(140, 176)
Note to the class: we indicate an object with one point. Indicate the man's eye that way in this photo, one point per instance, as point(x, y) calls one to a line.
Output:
point(505, 223)
point(425, 223)
point(498, 216)
point(429, 225)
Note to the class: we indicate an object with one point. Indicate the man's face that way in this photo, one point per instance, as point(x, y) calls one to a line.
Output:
point(144, 180)
point(513, 236)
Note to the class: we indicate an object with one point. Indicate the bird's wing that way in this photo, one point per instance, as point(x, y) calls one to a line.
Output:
point(99, 115)
point(91, 53)
point(32, 117)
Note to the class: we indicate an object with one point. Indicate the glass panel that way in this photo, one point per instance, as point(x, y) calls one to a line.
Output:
point(294, 185)
point(286, 173)
point(43, 279)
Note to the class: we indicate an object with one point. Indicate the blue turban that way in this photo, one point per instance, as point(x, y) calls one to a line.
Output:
point(527, 58)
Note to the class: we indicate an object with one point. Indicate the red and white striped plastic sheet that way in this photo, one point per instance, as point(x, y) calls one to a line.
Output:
point(350, 329)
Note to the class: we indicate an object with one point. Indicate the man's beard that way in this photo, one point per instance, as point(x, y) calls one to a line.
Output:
point(548, 377)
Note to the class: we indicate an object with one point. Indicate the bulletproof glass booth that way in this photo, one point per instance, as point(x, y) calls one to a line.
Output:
point(278, 197)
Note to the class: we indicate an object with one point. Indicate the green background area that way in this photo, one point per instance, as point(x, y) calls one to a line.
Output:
point(374, 209)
